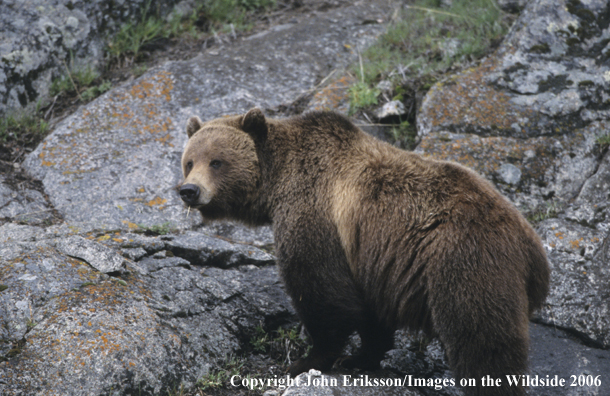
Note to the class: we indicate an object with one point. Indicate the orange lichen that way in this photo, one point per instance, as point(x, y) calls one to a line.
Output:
point(130, 224)
point(576, 243)
point(468, 99)
point(333, 96)
point(156, 201)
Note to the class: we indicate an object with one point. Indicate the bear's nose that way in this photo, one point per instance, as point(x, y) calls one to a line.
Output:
point(189, 193)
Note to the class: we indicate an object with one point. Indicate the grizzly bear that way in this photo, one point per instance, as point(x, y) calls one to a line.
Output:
point(371, 238)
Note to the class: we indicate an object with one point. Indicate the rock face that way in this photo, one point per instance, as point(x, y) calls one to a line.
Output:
point(37, 36)
point(130, 294)
point(530, 118)
point(158, 320)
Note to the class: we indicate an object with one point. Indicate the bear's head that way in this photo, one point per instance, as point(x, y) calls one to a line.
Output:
point(220, 166)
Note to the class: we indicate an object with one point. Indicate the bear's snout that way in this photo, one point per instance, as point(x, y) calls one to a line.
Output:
point(189, 193)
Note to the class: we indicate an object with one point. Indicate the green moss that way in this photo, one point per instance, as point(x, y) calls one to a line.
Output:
point(3, 288)
point(157, 229)
point(547, 211)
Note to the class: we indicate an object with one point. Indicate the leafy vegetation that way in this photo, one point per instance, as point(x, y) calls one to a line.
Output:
point(24, 127)
point(362, 95)
point(428, 39)
point(548, 211)
point(208, 15)
point(604, 141)
point(424, 42)
point(82, 82)
point(284, 345)
point(218, 378)
point(405, 133)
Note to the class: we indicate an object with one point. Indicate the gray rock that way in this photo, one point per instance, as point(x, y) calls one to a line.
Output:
point(38, 36)
point(23, 203)
point(395, 108)
point(384, 86)
point(315, 383)
point(555, 353)
point(146, 330)
point(509, 174)
point(579, 298)
point(95, 254)
point(204, 250)
point(543, 80)
point(186, 299)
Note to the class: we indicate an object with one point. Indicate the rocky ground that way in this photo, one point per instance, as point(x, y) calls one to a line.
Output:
point(108, 286)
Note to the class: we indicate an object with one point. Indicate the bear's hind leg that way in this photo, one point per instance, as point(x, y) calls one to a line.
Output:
point(377, 339)
point(483, 336)
point(329, 324)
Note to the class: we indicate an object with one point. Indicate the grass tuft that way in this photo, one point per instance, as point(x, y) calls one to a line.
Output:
point(604, 141)
point(426, 41)
point(208, 15)
point(23, 127)
point(82, 82)
point(217, 378)
point(362, 95)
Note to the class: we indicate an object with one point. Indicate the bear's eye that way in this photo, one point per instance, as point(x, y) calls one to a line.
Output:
point(215, 164)
point(189, 166)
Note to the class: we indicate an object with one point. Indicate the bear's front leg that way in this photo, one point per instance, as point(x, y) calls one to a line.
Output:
point(319, 281)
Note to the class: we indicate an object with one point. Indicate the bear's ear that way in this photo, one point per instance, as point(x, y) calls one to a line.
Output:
point(193, 125)
point(254, 124)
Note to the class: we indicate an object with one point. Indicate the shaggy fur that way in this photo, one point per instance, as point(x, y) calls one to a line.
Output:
point(370, 238)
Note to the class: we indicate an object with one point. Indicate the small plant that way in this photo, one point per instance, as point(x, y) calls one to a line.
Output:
point(30, 324)
point(541, 213)
point(235, 11)
point(283, 346)
point(361, 95)
point(80, 82)
point(139, 70)
point(128, 42)
point(604, 141)
point(260, 340)
point(97, 90)
point(23, 127)
point(218, 377)
point(82, 77)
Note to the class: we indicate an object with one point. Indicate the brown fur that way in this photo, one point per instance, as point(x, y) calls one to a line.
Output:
point(370, 238)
